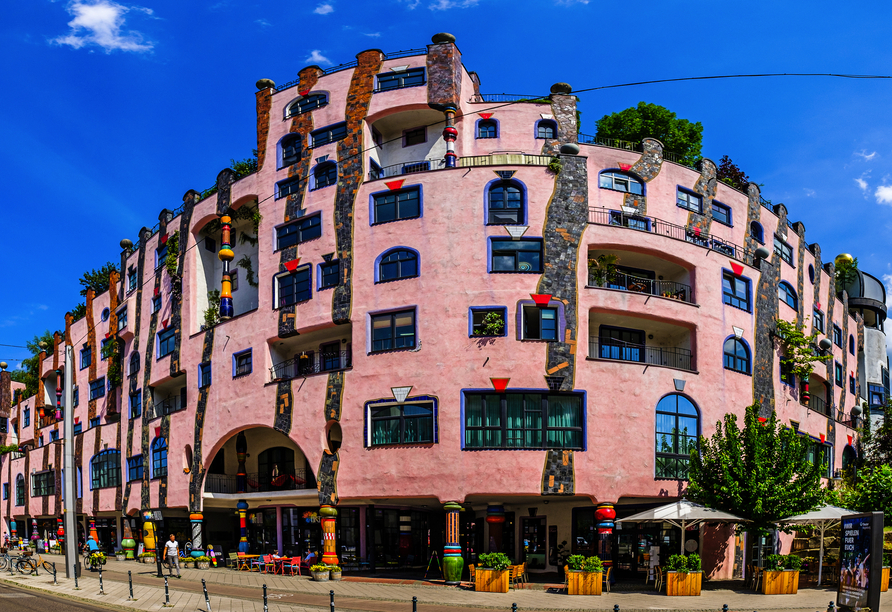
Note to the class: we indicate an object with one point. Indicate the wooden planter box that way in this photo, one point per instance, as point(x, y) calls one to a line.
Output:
point(785, 582)
point(683, 583)
point(491, 581)
point(584, 583)
point(884, 583)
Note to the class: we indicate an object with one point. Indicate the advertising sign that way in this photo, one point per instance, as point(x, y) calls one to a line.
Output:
point(860, 561)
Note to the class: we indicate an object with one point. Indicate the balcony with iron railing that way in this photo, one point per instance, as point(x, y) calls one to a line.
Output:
point(429, 165)
point(637, 284)
point(286, 480)
point(310, 363)
point(616, 350)
point(818, 404)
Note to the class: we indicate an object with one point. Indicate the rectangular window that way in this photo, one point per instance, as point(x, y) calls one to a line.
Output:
point(884, 374)
point(233, 280)
point(20, 491)
point(97, 388)
point(134, 468)
point(399, 80)
point(415, 136)
point(136, 404)
point(4, 425)
point(735, 291)
point(876, 396)
point(95, 422)
point(301, 231)
point(394, 330)
point(689, 200)
point(77, 396)
point(54, 435)
point(105, 470)
point(242, 363)
point(204, 375)
point(721, 213)
point(167, 341)
point(786, 373)
point(5, 490)
point(293, 287)
point(516, 255)
point(396, 205)
point(523, 420)
point(103, 349)
point(838, 374)
point(837, 335)
point(156, 304)
point(131, 278)
point(631, 221)
point(287, 188)
point(328, 134)
point(329, 275)
point(375, 171)
point(122, 318)
point(210, 244)
point(540, 323)
point(78, 428)
point(44, 484)
point(488, 322)
point(27, 417)
point(783, 250)
point(852, 384)
point(821, 456)
point(409, 423)
point(330, 357)
point(160, 255)
point(818, 320)
point(86, 357)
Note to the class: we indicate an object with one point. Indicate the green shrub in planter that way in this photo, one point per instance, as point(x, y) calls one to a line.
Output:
point(677, 563)
point(592, 564)
point(574, 562)
point(792, 562)
point(774, 563)
point(494, 561)
point(694, 563)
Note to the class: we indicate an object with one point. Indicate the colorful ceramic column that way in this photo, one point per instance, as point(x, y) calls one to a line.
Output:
point(449, 135)
point(241, 453)
point(197, 549)
point(329, 544)
point(453, 564)
point(34, 535)
point(148, 531)
point(93, 531)
point(12, 532)
point(60, 533)
point(226, 255)
point(495, 516)
point(127, 542)
point(58, 395)
point(242, 507)
point(605, 514)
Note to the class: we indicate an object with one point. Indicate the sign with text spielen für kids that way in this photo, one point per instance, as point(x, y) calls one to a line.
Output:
point(860, 561)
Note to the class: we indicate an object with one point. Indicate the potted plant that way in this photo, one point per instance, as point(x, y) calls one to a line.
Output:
point(335, 572)
point(202, 562)
point(781, 575)
point(585, 575)
point(602, 269)
point(492, 575)
point(147, 557)
point(319, 572)
point(119, 555)
point(683, 575)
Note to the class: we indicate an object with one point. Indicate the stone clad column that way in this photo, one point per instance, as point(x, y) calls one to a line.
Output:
point(197, 545)
point(453, 564)
point(329, 544)
point(226, 255)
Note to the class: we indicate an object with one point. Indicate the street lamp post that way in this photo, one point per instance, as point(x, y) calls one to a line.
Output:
point(69, 471)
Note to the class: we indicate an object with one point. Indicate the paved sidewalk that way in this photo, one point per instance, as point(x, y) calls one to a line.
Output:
point(242, 591)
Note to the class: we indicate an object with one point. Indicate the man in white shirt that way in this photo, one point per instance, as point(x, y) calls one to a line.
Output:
point(172, 552)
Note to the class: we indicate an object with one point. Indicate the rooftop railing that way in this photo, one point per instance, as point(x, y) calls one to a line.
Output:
point(613, 143)
point(354, 63)
point(505, 97)
point(617, 350)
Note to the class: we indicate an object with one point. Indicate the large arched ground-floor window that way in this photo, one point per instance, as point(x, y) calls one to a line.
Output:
point(678, 425)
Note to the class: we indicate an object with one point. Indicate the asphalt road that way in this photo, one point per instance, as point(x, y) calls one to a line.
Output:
point(21, 600)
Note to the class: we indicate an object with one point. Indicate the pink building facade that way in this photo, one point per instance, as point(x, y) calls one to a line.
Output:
point(411, 321)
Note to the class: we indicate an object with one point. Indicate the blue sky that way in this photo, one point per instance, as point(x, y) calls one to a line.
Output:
point(111, 111)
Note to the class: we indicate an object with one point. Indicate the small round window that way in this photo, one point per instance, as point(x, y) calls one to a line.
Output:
point(105, 314)
point(811, 274)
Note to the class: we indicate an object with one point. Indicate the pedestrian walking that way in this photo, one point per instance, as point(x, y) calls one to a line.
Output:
point(172, 550)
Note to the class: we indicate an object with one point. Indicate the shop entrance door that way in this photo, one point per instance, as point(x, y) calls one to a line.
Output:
point(532, 531)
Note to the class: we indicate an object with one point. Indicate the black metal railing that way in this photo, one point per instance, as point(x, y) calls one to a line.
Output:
point(353, 64)
point(259, 483)
point(604, 216)
point(170, 405)
point(312, 363)
point(818, 404)
point(846, 419)
point(617, 350)
point(425, 165)
point(677, 158)
point(505, 97)
point(626, 282)
point(766, 204)
point(613, 143)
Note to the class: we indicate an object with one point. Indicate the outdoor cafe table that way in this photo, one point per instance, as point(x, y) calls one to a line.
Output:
point(279, 567)
point(245, 562)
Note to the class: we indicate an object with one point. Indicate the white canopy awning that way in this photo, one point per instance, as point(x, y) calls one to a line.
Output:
point(683, 514)
point(823, 518)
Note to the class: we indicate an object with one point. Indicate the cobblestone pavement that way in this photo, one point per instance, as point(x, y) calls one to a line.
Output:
point(242, 591)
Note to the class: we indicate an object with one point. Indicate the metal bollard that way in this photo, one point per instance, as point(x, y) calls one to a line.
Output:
point(130, 582)
point(331, 598)
point(265, 603)
point(831, 607)
point(414, 604)
point(207, 600)
point(54, 573)
point(724, 607)
point(616, 608)
point(75, 576)
point(166, 593)
point(101, 590)
point(514, 607)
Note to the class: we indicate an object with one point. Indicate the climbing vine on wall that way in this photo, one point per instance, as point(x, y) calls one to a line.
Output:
point(800, 355)
point(212, 313)
point(245, 264)
point(173, 253)
point(112, 352)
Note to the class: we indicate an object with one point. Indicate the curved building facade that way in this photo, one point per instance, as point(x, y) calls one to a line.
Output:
point(443, 316)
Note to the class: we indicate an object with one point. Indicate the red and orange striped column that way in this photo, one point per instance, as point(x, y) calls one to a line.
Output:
point(329, 544)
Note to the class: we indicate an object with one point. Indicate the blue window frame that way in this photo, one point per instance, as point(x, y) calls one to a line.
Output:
point(105, 469)
point(756, 232)
point(411, 422)
point(737, 356)
point(161, 255)
point(616, 180)
point(689, 200)
point(5, 490)
point(375, 171)
point(77, 396)
point(306, 104)
point(399, 80)
point(156, 304)
point(486, 321)
point(487, 128)
point(95, 422)
point(524, 255)
point(811, 274)
point(837, 335)
point(136, 404)
point(838, 374)
point(19, 490)
point(78, 428)
point(524, 420)
point(817, 320)
point(289, 187)
point(122, 318)
point(397, 205)
point(787, 295)
point(783, 250)
point(134, 468)
point(677, 429)
point(392, 331)
point(851, 384)
point(736, 291)
point(329, 134)
point(167, 341)
point(329, 275)
point(204, 375)
point(97, 388)
point(54, 435)
point(102, 348)
point(242, 363)
point(721, 213)
point(540, 323)
point(86, 356)
point(27, 417)
point(876, 396)
point(505, 201)
point(294, 287)
point(325, 175)
point(159, 458)
point(851, 344)
point(397, 264)
point(303, 230)
point(290, 153)
point(546, 128)
point(131, 278)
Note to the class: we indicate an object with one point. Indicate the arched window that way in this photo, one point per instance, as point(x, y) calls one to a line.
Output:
point(678, 425)
point(737, 356)
point(620, 181)
point(397, 264)
point(325, 175)
point(487, 128)
point(306, 104)
point(546, 128)
point(159, 458)
point(756, 232)
point(505, 204)
point(276, 469)
point(105, 469)
point(786, 294)
point(134, 363)
point(19, 490)
point(290, 150)
point(848, 457)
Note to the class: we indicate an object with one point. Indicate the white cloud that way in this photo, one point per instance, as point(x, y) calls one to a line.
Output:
point(100, 23)
point(809, 193)
point(324, 9)
point(316, 57)
point(262, 22)
point(373, 35)
point(444, 5)
point(884, 194)
point(865, 155)
point(862, 184)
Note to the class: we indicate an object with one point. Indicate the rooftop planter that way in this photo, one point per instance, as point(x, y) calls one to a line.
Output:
point(492, 575)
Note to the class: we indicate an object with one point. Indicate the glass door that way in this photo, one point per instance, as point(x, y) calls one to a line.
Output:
point(532, 531)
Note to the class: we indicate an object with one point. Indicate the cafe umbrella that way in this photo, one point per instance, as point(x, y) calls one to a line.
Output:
point(823, 518)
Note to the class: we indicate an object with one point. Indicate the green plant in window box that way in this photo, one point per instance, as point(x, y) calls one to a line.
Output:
point(492, 325)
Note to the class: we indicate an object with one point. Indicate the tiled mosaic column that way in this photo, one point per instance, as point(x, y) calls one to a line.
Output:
point(60, 532)
point(241, 453)
point(34, 535)
point(127, 542)
point(449, 135)
point(605, 515)
point(12, 528)
point(329, 544)
point(453, 564)
point(495, 516)
point(242, 507)
point(226, 255)
point(196, 518)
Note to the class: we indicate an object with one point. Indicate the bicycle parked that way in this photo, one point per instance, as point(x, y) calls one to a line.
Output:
point(7, 561)
point(30, 565)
